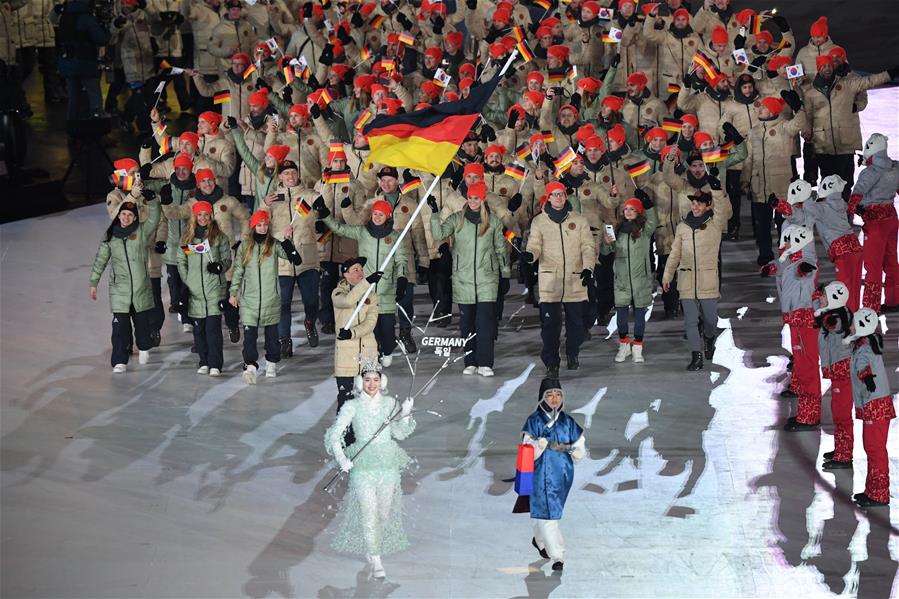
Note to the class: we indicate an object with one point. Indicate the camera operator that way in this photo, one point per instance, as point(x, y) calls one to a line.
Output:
point(80, 36)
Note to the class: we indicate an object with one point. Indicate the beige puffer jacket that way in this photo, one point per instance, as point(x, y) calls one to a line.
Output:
point(37, 28)
point(563, 251)
point(807, 55)
point(228, 35)
point(167, 36)
point(9, 29)
point(694, 255)
point(679, 185)
point(239, 107)
point(334, 248)
point(351, 353)
point(674, 56)
point(218, 150)
point(304, 238)
point(134, 48)
point(833, 127)
point(312, 159)
point(770, 147)
point(203, 20)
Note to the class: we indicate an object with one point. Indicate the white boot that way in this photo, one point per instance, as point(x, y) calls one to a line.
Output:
point(215, 372)
point(249, 375)
point(386, 361)
point(119, 369)
point(187, 328)
point(638, 352)
point(377, 568)
point(469, 370)
point(485, 371)
point(624, 350)
point(143, 357)
point(203, 370)
point(270, 371)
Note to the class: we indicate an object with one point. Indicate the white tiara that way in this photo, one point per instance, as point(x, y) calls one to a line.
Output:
point(370, 365)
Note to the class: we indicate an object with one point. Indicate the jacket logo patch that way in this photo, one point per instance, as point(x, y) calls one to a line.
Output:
point(756, 103)
point(344, 189)
point(388, 240)
point(772, 133)
point(572, 226)
point(249, 88)
point(405, 209)
point(586, 192)
point(649, 111)
point(367, 301)
point(212, 150)
point(132, 237)
point(502, 191)
point(839, 86)
point(309, 142)
point(605, 179)
point(224, 209)
point(690, 43)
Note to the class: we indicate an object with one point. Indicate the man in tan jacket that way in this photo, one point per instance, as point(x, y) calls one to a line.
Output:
point(561, 240)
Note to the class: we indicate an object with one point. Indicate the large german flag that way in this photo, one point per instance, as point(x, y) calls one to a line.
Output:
point(426, 139)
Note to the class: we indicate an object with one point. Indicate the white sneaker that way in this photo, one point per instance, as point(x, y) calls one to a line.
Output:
point(270, 371)
point(143, 357)
point(187, 328)
point(469, 370)
point(203, 370)
point(377, 568)
point(386, 361)
point(249, 375)
point(119, 369)
point(215, 372)
point(624, 350)
point(485, 371)
point(638, 353)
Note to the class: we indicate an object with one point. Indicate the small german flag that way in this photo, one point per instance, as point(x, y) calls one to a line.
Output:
point(326, 97)
point(703, 61)
point(324, 237)
point(525, 51)
point(407, 39)
point(673, 88)
point(518, 33)
point(713, 155)
point(164, 64)
point(523, 151)
point(638, 168)
point(727, 146)
point(303, 208)
point(388, 64)
point(165, 145)
point(222, 97)
point(556, 76)
point(672, 125)
point(338, 177)
point(755, 24)
point(411, 185)
point(289, 74)
point(249, 72)
point(515, 171)
point(376, 21)
point(159, 130)
point(548, 137)
point(362, 120)
point(365, 54)
point(613, 36)
point(509, 234)
point(125, 182)
point(544, 4)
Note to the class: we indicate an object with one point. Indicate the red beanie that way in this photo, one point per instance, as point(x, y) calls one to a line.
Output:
point(260, 216)
point(655, 132)
point(719, 35)
point(589, 85)
point(495, 148)
point(543, 31)
point(501, 16)
point(682, 12)
point(364, 82)
point(585, 131)
point(259, 98)
point(617, 134)
point(125, 164)
point(570, 107)
point(184, 160)
point(690, 119)
point(819, 28)
point(278, 151)
point(637, 78)
point(555, 186)
point(595, 142)
point(536, 76)
point(435, 53)
point(535, 97)
point(465, 83)
point(822, 60)
point(635, 204)
point(701, 137)
point(764, 36)
point(455, 38)
point(300, 109)
point(613, 102)
point(838, 51)
point(382, 206)
point(244, 58)
point(774, 105)
point(744, 15)
point(213, 118)
point(468, 70)
point(779, 61)
point(190, 136)
point(203, 174)
point(477, 190)
point(431, 89)
point(473, 168)
point(559, 52)
point(535, 138)
point(201, 206)
point(497, 50)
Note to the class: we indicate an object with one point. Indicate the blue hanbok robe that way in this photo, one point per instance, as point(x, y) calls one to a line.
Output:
point(553, 470)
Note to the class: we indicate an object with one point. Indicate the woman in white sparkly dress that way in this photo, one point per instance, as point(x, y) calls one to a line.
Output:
point(371, 523)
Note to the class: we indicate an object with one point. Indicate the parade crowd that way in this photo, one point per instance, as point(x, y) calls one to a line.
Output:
point(615, 155)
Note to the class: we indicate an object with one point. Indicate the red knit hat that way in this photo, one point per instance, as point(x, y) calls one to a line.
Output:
point(535, 138)
point(668, 149)
point(635, 204)
point(467, 70)
point(260, 216)
point(544, 31)
point(535, 76)
point(201, 206)
point(278, 152)
point(819, 28)
point(719, 35)
point(300, 109)
point(637, 78)
point(183, 160)
point(501, 16)
point(744, 15)
point(477, 190)
point(617, 134)
point(690, 119)
point(473, 168)
point(382, 206)
point(559, 51)
point(204, 174)
point(595, 142)
point(550, 22)
point(824, 59)
point(259, 98)
point(701, 137)
point(555, 186)
point(497, 50)
point(655, 132)
point(191, 137)
point(779, 61)
point(773, 104)
point(364, 82)
point(585, 131)
point(591, 6)
point(450, 97)
point(764, 36)
point(570, 107)
point(613, 102)
point(589, 85)
point(391, 105)
point(495, 148)
point(244, 58)
point(535, 97)
point(682, 12)
point(125, 164)
point(435, 53)
point(431, 89)
point(838, 51)
point(214, 119)
point(465, 83)
point(623, 2)
point(455, 37)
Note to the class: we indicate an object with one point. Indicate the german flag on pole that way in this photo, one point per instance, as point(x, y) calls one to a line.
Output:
point(638, 168)
point(515, 171)
point(524, 50)
point(672, 125)
point(703, 61)
point(222, 97)
point(509, 234)
point(523, 151)
point(410, 185)
point(427, 139)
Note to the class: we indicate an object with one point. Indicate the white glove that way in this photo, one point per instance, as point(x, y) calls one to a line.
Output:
point(345, 464)
point(407, 407)
point(542, 443)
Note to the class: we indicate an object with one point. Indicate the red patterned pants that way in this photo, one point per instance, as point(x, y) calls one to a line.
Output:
point(806, 380)
point(841, 410)
point(874, 438)
point(881, 261)
point(848, 269)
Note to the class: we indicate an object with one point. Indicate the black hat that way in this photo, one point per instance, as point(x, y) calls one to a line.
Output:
point(548, 384)
point(130, 207)
point(472, 136)
point(701, 196)
point(388, 171)
point(361, 260)
point(694, 156)
point(288, 165)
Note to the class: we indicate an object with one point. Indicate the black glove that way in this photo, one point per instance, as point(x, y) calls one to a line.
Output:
point(327, 56)
point(758, 62)
point(423, 273)
point(792, 98)
point(145, 170)
point(687, 79)
point(513, 118)
point(714, 183)
point(287, 94)
point(488, 133)
point(165, 194)
point(576, 100)
point(471, 4)
point(307, 10)
point(586, 276)
point(232, 122)
point(260, 83)
point(346, 202)
point(149, 142)
point(739, 42)
point(805, 268)
point(320, 227)
point(503, 286)
point(214, 268)
point(860, 210)
point(533, 26)
point(731, 133)
point(344, 335)
point(149, 194)
point(356, 20)
point(767, 270)
point(404, 21)
point(713, 171)
point(293, 256)
point(315, 111)
point(869, 383)
point(401, 284)
point(781, 23)
point(344, 37)
point(160, 247)
point(527, 257)
point(119, 22)
point(374, 277)
point(773, 201)
point(437, 25)
point(644, 198)
point(236, 245)
point(443, 250)
point(679, 168)
point(514, 202)
point(432, 204)
point(893, 72)
point(319, 206)
point(616, 60)
point(313, 82)
point(348, 77)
